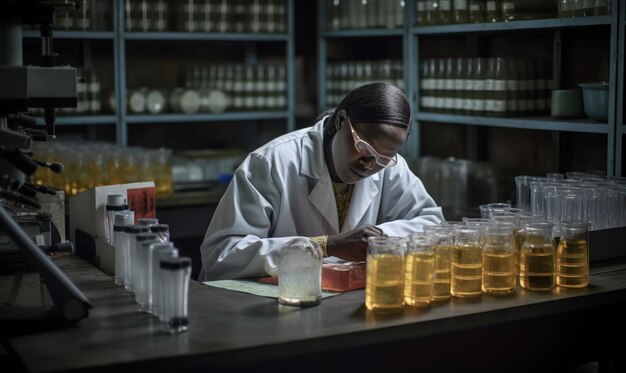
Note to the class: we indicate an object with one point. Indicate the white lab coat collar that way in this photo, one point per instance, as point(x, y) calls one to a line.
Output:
point(312, 164)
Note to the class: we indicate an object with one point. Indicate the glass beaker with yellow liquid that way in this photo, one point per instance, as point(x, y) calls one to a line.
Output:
point(384, 282)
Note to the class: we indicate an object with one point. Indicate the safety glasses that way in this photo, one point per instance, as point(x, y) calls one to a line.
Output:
point(366, 149)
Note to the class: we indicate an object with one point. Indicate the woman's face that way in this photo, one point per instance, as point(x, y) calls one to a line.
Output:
point(352, 164)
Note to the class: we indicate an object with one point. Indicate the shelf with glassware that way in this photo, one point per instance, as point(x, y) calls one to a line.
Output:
point(244, 89)
point(504, 90)
point(143, 21)
point(342, 20)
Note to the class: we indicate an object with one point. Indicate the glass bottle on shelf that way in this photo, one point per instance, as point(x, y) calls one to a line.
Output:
point(444, 12)
point(440, 85)
point(160, 15)
point(565, 9)
point(448, 86)
point(420, 15)
point(460, 11)
point(468, 87)
point(432, 16)
point(602, 7)
point(479, 94)
point(82, 19)
point(493, 10)
point(476, 11)
point(513, 88)
point(458, 73)
point(427, 84)
point(508, 10)
point(93, 89)
point(495, 87)
point(583, 8)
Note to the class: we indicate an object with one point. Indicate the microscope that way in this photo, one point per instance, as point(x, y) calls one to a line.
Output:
point(23, 87)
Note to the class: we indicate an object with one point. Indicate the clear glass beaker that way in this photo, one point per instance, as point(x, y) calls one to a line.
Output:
point(467, 266)
point(572, 255)
point(384, 283)
point(443, 236)
point(419, 270)
point(498, 259)
point(537, 260)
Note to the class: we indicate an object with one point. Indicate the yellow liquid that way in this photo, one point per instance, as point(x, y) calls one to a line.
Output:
point(441, 279)
point(418, 278)
point(467, 270)
point(518, 240)
point(572, 263)
point(537, 267)
point(384, 283)
point(498, 272)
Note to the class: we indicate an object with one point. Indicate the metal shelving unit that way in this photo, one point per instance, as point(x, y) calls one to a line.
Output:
point(323, 35)
point(614, 129)
point(549, 124)
point(621, 82)
point(119, 37)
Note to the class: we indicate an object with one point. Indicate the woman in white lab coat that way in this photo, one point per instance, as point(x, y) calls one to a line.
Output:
point(337, 182)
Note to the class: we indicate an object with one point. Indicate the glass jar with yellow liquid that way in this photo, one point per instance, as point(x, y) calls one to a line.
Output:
point(537, 260)
point(419, 270)
point(498, 259)
point(572, 255)
point(442, 235)
point(384, 282)
point(466, 259)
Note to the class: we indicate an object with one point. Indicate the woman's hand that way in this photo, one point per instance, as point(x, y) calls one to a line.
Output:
point(352, 245)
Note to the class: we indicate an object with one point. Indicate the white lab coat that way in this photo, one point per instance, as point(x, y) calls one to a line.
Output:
point(283, 190)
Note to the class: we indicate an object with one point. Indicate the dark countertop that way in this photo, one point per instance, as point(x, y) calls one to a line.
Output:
point(237, 330)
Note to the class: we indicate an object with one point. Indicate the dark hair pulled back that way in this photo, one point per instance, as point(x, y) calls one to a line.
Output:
point(373, 103)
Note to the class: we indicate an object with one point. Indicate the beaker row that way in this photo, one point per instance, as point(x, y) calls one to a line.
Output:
point(474, 257)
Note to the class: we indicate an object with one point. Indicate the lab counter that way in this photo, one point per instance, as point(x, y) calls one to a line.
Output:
point(233, 331)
